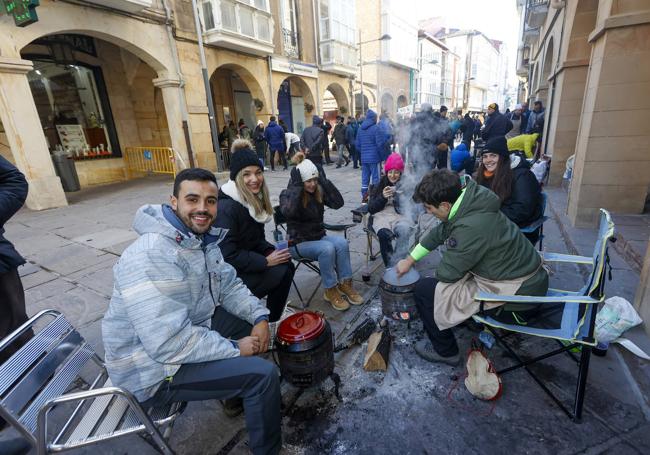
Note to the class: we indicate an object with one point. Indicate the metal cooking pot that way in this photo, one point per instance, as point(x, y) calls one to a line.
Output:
point(396, 294)
point(305, 348)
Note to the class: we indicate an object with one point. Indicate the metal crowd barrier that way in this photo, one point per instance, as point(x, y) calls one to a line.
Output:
point(150, 160)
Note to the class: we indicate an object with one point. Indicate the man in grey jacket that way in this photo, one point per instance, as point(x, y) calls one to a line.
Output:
point(181, 326)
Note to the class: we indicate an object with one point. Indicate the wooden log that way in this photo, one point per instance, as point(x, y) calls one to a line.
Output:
point(376, 358)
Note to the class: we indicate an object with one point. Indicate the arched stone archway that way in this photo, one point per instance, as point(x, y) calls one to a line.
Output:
point(359, 106)
point(402, 101)
point(237, 95)
point(295, 103)
point(387, 104)
point(340, 97)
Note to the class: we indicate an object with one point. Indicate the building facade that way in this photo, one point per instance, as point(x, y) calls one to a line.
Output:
point(437, 73)
point(482, 70)
point(95, 79)
point(387, 65)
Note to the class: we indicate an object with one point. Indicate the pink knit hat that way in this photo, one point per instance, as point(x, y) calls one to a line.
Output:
point(394, 162)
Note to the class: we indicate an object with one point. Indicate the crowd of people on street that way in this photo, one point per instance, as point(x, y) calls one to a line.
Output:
point(198, 295)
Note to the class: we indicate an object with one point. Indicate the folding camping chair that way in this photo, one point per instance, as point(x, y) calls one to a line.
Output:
point(538, 224)
point(361, 215)
point(280, 222)
point(44, 374)
point(578, 315)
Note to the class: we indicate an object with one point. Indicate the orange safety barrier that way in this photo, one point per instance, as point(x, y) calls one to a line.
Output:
point(150, 160)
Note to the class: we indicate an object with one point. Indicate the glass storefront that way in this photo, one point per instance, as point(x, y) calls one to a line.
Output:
point(73, 108)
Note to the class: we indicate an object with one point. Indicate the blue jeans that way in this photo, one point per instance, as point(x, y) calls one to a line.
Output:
point(369, 174)
point(333, 255)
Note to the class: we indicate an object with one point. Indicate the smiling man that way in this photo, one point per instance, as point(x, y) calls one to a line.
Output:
point(180, 325)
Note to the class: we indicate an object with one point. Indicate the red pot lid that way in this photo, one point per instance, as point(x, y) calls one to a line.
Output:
point(302, 326)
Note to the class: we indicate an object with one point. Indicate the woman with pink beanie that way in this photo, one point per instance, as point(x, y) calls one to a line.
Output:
point(388, 221)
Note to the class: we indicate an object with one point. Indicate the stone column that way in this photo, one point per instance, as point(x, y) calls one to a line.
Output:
point(565, 118)
point(25, 135)
point(642, 300)
point(170, 86)
point(612, 169)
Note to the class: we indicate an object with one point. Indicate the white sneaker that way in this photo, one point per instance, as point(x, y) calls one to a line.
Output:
point(273, 326)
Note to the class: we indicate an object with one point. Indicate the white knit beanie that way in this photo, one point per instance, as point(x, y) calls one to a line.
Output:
point(307, 170)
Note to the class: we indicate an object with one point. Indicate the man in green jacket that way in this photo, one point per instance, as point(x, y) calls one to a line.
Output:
point(484, 252)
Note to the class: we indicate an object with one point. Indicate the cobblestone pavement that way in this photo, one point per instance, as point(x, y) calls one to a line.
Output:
point(414, 407)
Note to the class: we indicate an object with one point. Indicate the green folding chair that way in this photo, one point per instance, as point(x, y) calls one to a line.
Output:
point(578, 316)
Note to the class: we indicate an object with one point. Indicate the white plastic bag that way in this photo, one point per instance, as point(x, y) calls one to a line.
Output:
point(539, 169)
point(614, 318)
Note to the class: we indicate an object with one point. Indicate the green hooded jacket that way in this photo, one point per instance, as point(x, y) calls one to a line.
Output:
point(482, 240)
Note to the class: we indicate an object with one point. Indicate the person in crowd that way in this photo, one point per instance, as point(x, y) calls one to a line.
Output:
point(312, 143)
point(385, 136)
point(444, 140)
point(516, 118)
point(327, 127)
point(13, 192)
point(387, 220)
point(244, 130)
point(350, 139)
point(231, 134)
point(339, 134)
point(467, 129)
point(283, 125)
point(477, 127)
point(485, 252)
point(368, 144)
point(525, 115)
point(303, 204)
point(510, 178)
point(496, 123)
point(455, 124)
point(535, 117)
point(292, 144)
point(260, 143)
point(181, 326)
point(525, 143)
point(461, 160)
point(423, 138)
point(244, 209)
point(274, 135)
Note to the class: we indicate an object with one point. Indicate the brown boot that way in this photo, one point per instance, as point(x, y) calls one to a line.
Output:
point(333, 296)
point(353, 296)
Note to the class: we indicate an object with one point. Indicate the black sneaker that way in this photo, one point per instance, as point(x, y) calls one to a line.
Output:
point(232, 407)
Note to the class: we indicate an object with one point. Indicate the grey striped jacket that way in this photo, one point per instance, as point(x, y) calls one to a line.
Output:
point(165, 291)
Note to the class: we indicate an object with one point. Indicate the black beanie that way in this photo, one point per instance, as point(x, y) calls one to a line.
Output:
point(498, 145)
point(241, 159)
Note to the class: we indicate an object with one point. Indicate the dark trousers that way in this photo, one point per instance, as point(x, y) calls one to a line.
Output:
point(385, 237)
point(326, 152)
point(274, 284)
point(283, 158)
point(356, 160)
point(441, 159)
point(443, 341)
point(254, 379)
point(12, 311)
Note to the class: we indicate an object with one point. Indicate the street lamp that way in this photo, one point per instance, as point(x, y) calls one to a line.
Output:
point(384, 37)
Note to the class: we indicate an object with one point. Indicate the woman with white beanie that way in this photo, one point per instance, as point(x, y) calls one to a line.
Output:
point(303, 204)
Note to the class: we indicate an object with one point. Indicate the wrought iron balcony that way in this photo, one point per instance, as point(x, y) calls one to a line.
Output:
point(536, 11)
point(241, 25)
point(290, 43)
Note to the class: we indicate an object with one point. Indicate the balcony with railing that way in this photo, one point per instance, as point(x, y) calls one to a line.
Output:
point(536, 11)
point(338, 52)
point(241, 25)
point(523, 61)
point(530, 35)
point(290, 43)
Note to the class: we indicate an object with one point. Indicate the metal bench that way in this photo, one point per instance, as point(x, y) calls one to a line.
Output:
point(43, 375)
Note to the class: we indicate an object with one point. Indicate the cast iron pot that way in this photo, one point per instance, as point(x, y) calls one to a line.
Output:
point(305, 348)
point(396, 294)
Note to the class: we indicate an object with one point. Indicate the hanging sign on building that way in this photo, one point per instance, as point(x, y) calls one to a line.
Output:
point(23, 11)
point(298, 69)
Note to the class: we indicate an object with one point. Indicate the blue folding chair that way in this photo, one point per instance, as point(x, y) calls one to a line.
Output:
point(578, 315)
point(538, 224)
